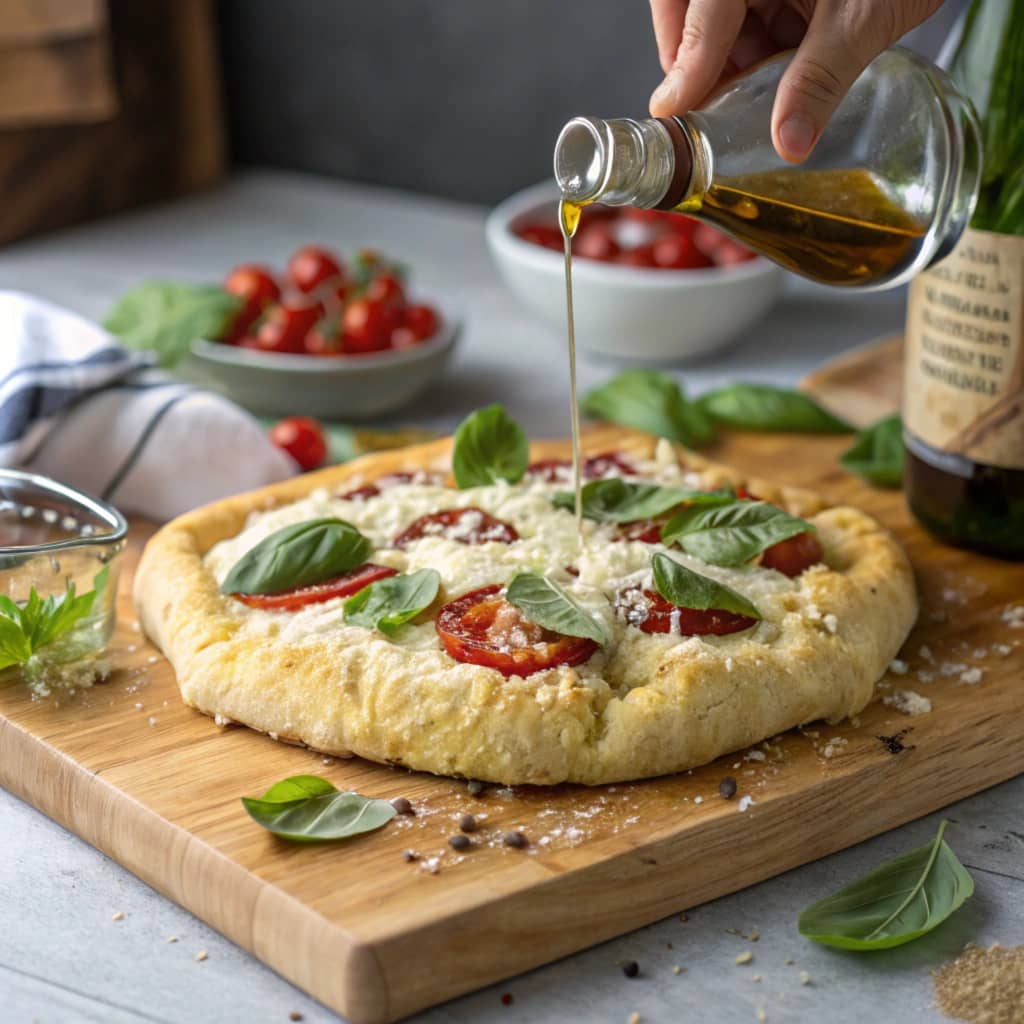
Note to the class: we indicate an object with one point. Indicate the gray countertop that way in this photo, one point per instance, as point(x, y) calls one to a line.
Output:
point(62, 956)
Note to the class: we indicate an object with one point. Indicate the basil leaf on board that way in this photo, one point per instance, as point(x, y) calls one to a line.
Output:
point(388, 604)
point(877, 453)
point(763, 407)
point(621, 501)
point(307, 808)
point(896, 903)
point(542, 601)
point(297, 556)
point(731, 534)
point(489, 446)
point(650, 401)
point(688, 589)
point(165, 317)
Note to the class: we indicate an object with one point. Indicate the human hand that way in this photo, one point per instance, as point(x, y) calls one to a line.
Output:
point(703, 42)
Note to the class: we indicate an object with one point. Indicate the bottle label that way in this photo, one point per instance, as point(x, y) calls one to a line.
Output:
point(963, 388)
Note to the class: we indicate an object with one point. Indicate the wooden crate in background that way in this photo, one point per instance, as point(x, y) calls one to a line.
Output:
point(104, 106)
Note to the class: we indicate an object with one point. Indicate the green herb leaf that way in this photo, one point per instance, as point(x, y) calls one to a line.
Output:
point(388, 604)
point(762, 407)
point(489, 446)
point(543, 601)
point(650, 401)
point(297, 556)
point(731, 534)
point(621, 501)
point(900, 901)
point(688, 589)
point(307, 808)
point(877, 453)
point(165, 317)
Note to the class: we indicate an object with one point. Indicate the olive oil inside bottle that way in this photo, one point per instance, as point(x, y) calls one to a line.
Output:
point(568, 220)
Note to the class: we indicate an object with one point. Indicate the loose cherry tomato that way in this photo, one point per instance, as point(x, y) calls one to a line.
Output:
point(678, 252)
point(542, 234)
point(730, 252)
point(285, 326)
point(392, 480)
point(387, 289)
point(252, 281)
point(793, 555)
point(638, 256)
point(465, 525)
point(302, 438)
point(311, 266)
point(482, 628)
point(367, 326)
point(651, 613)
point(596, 242)
point(422, 320)
point(346, 585)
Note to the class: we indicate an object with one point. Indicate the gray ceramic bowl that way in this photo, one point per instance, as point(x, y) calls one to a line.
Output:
point(327, 387)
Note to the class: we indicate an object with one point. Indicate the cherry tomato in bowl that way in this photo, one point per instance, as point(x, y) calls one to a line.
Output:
point(302, 438)
point(311, 266)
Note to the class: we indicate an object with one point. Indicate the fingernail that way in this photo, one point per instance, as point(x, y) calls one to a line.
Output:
point(666, 96)
point(797, 134)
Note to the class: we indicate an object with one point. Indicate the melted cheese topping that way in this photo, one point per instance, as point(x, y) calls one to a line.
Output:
point(548, 544)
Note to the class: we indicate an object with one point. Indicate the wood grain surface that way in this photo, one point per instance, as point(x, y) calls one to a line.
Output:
point(157, 787)
point(864, 385)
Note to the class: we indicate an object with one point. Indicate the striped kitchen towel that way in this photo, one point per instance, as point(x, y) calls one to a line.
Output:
point(77, 407)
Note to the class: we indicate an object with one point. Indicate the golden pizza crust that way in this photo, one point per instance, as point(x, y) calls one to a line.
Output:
point(696, 700)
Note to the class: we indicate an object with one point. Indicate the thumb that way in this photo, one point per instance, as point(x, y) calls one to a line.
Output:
point(825, 66)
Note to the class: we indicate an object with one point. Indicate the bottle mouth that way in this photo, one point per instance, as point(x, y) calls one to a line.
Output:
point(581, 160)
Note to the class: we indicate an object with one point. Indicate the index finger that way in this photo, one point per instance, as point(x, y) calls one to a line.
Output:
point(668, 17)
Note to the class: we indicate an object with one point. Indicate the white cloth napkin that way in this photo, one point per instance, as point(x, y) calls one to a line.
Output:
point(77, 407)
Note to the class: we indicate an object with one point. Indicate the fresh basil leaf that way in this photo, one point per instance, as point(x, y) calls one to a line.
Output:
point(877, 453)
point(489, 446)
point(762, 407)
point(896, 903)
point(621, 501)
point(297, 556)
point(650, 401)
point(165, 317)
point(731, 534)
point(688, 589)
point(388, 604)
point(306, 808)
point(543, 601)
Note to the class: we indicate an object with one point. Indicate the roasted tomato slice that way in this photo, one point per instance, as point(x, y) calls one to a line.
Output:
point(651, 613)
point(793, 555)
point(346, 585)
point(646, 530)
point(482, 628)
point(466, 525)
point(594, 467)
point(391, 480)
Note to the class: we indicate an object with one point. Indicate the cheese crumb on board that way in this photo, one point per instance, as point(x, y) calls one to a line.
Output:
point(744, 958)
point(908, 702)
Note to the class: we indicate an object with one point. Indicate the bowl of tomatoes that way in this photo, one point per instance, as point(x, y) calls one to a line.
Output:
point(647, 285)
point(333, 339)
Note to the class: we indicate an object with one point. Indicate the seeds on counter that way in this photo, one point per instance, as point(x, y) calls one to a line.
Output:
point(744, 958)
point(117, 916)
point(517, 840)
point(460, 842)
point(467, 823)
point(202, 955)
point(402, 805)
point(727, 788)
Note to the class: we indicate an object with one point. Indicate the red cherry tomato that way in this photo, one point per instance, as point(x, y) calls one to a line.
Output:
point(730, 252)
point(367, 326)
point(482, 628)
point(346, 585)
point(311, 266)
point(651, 613)
point(596, 242)
point(680, 224)
point(302, 438)
point(596, 466)
point(404, 337)
point(241, 323)
point(646, 530)
point(392, 480)
point(422, 320)
point(707, 239)
point(793, 555)
point(639, 256)
point(285, 326)
point(643, 216)
point(333, 292)
point(252, 281)
point(325, 338)
point(465, 525)
point(387, 289)
point(542, 234)
point(678, 252)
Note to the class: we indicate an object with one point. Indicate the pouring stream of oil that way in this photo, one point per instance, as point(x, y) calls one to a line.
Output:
point(569, 219)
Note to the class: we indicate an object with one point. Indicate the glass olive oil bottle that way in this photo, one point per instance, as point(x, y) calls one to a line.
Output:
point(964, 366)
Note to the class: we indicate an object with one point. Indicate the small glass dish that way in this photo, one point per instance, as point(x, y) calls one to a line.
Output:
point(54, 538)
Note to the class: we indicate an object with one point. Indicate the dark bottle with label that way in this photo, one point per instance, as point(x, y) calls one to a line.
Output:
point(963, 405)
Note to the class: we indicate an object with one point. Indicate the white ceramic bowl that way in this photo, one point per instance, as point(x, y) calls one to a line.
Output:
point(327, 387)
point(629, 313)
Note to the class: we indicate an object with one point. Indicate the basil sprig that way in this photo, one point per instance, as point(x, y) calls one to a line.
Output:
point(307, 808)
point(653, 402)
point(688, 589)
point(615, 500)
point(297, 556)
point(731, 534)
point(763, 407)
point(877, 453)
point(489, 446)
point(900, 901)
point(165, 317)
point(542, 601)
point(390, 603)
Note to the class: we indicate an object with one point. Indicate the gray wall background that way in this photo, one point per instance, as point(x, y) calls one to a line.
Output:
point(459, 98)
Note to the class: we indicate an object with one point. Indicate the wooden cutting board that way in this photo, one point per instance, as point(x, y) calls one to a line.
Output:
point(157, 787)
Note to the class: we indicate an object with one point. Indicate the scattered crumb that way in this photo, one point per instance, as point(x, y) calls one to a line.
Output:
point(831, 623)
point(982, 986)
point(898, 667)
point(756, 977)
point(788, 961)
point(118, 916)
point(972, 676)
point(908, 702)
point(432, 865)
point(634, 1018)
point(1014, 617)
point(805, 978)
point(754, 936)
point(676, 969)
point(924, 651)
point(684, 918)
point(762, 1015)
point(745, 802)
point(755, 755)
point(834, 745)
point(138, 705)
point(202, 955)
point(745, 957)
point(152, 721)
point(295, 1015)
point(698, 799)
point(172, 938)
